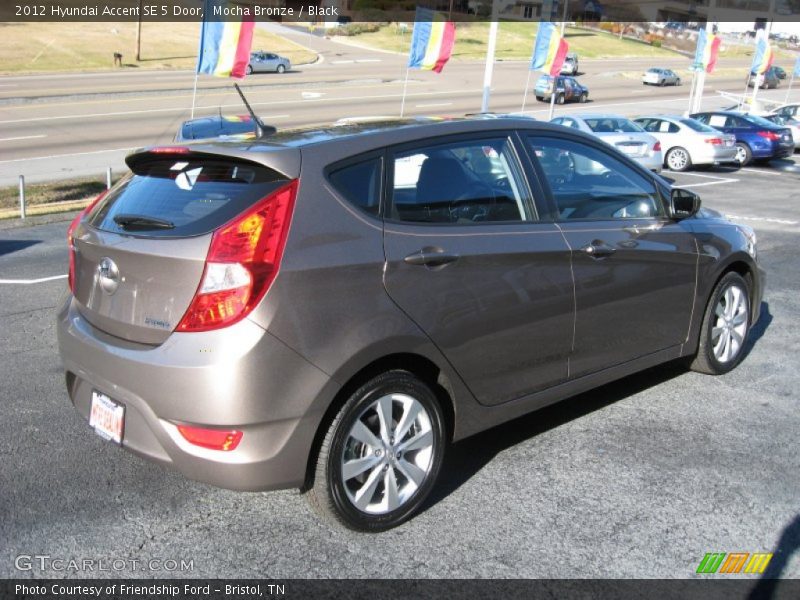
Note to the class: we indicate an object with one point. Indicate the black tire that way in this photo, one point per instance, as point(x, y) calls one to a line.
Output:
point(584, 97)
point(705, 360)
point(329, 492)
point(249, 69)
point(281, 69)
point(560, 99)
point(540, 98)
point(746, 153)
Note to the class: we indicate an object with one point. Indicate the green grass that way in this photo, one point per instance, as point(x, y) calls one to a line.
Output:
point(515, 42)
point(43, 198)
point(49, 47)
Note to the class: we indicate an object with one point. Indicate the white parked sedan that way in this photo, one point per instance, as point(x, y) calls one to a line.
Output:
point(620, 132)
point(686, 142)
point(658, 76)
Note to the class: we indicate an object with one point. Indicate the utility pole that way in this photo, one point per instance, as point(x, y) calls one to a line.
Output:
point(139, 34)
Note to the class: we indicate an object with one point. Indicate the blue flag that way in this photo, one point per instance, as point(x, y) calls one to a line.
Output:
point(796, 72)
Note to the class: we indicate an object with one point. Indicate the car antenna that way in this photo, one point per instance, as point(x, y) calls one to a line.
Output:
point(261, 129)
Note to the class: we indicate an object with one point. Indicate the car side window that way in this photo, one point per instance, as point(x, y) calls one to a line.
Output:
point(649, 124)
point(588, 183)
point(475, 181)
point(740, 123)
point(359, 184)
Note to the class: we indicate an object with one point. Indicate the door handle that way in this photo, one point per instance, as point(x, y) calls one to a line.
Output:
point(598, 249)
point(431, 257)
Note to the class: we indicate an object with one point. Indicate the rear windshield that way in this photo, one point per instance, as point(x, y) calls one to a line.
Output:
point(759, 121)
point(211, 128)
point(611, 125)
point(698, 126)
point(182, 196)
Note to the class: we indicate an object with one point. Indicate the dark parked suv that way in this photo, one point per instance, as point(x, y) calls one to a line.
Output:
point(329, 308)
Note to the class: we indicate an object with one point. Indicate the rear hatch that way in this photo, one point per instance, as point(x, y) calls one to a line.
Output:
point(140, 252)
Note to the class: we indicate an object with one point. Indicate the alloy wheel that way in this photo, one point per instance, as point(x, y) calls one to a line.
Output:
point(730, 324)
point(677, 159)
point(387, 454)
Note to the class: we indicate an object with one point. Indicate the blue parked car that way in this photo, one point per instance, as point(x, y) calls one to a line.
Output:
point(756, 138)
point(567, 89)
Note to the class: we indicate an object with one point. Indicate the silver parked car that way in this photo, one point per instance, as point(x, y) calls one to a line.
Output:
point(686, 142)
point(658, 76)
point(570, 66)
point(792, 123)
point(268, 62)
point(622, 133)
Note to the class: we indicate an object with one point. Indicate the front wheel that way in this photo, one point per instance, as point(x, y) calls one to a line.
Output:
point(381, 454)
point(584, 97)
point(560, 99)
point(281, 69)
point(725, 327)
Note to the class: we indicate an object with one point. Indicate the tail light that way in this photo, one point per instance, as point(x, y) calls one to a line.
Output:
point(657, 147)
point(214, 439)
point(242, 262)
point(71, 246)
point(770, 135)
point(714, 141)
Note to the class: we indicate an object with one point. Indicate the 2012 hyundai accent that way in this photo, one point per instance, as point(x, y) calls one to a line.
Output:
point(329, 308)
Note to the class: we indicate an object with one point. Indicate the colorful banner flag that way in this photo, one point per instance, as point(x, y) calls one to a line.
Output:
point(705, 57)
point(796, 71)
point(224, 45)
point(762, 59)
point(549, 50)
point(431, 42)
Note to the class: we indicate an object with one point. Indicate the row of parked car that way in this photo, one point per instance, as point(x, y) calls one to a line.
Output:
point(702, 139)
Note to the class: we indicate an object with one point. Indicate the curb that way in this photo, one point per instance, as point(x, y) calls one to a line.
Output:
point(35, 220)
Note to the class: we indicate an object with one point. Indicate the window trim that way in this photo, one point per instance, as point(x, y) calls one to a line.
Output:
point(629, 162)
point(355, 160)
point(388, 179)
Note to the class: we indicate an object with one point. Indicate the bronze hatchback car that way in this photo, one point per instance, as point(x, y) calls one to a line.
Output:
point(329, 308)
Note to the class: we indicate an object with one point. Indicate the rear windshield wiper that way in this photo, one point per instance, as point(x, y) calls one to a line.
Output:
point(142, 222)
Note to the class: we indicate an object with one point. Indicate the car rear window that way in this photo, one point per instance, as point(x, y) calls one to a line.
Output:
point(698, 126)
point(211, 128)
point(612, 125)
point(194, 195)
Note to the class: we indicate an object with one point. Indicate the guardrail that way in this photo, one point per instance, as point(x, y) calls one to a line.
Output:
point(22, 205)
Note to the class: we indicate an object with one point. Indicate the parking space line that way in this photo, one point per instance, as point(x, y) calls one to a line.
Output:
point(717, 180)
point(760, 171)
point(30, 281)
point(762, 219)
point(22, 137)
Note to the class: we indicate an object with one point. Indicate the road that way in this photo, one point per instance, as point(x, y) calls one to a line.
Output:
point(57, 126)
point(637, 479)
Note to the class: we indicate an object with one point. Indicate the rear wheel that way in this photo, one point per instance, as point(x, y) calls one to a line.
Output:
point(560, 99)
point(381, 454)
point(678, 159)
point(743, 154)
point(249, 69)
point(725, 327)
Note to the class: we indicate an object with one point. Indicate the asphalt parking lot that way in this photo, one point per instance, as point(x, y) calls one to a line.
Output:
point(638, 479)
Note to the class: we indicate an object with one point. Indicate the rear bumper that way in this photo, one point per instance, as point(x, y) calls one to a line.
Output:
point(713, 154)
point(653, 162)
point(238, 378)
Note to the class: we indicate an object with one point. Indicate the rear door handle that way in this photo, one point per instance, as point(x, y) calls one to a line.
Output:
point(598, 249)
point(431, 257)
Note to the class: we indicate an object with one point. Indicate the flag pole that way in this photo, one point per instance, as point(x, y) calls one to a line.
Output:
point(528, 84)
point(194, 93)
point(791, 80)
point(691, 93)
point(403, 101)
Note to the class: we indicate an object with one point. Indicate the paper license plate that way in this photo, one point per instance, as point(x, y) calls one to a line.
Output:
point(107, 417)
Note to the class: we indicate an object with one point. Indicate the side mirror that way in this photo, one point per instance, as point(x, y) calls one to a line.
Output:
point(684, 203)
